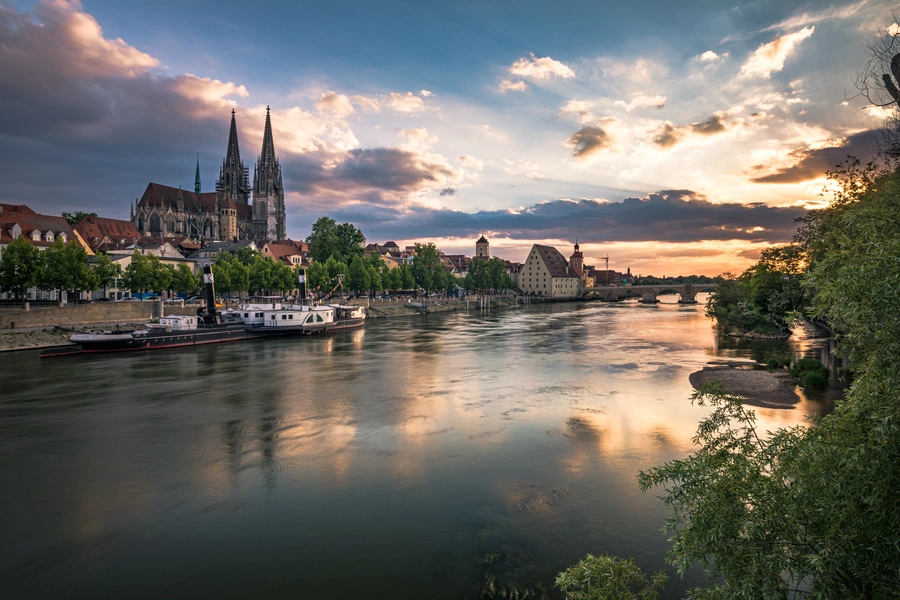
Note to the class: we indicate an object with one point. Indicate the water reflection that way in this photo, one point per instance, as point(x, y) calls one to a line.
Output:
point(429, 457)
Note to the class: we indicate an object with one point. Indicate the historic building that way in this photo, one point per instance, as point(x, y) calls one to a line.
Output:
point(227, 213)
point(547, 273)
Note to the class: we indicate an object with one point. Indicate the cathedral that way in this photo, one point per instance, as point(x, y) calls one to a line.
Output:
point(227, 213)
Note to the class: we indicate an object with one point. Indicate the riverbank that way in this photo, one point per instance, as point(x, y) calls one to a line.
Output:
point(766, 389)
point(33, 339)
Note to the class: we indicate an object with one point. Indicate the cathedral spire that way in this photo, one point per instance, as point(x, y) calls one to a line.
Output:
point(233, 153)
point(197, 177)
point(267, 156)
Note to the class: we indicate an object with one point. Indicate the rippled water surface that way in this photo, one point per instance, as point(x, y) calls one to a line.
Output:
point(447, 456)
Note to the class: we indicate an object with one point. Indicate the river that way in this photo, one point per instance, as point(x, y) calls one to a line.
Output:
point(456, 455)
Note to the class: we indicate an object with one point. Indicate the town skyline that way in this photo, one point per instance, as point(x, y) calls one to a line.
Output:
point(678, 140)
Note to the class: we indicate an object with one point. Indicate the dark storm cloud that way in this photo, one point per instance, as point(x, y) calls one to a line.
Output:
point(812, 164)
point(589, 140)
point(380, 175)
point(665, 216)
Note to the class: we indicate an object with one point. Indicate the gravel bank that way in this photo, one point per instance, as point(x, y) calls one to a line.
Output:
point(33, 338)
point(759, 387)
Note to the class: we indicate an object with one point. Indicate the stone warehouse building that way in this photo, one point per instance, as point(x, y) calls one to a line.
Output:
point(546, 272)
point(227, 213)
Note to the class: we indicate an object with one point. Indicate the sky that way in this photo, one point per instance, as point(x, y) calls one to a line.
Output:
point(674, 137)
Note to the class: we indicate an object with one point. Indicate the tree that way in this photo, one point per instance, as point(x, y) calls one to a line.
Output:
point(283, 277)
point(75, 219)
point(184, 281)
point(608, 577)
point(107, 271)
point(407, 280)
point(20, 266)
point(350, 241)
point(261, 275)
point(66, 268)
point(807, 511)
point(323, 240)
point(427, 267)
point(317, 276)
point(357, 276)
point(879, 83)
point(375, 283)
point(138, 276)
point(161, 275)
point(390, 279)
point(327, 239)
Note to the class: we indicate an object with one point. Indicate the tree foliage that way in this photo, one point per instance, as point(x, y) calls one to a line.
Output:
point(66, 268)
point(76, 218)
point(328, 239)
point(20, 266)
point(605, 576)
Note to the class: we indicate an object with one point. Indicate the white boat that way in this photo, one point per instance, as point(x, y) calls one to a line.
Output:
point(268, 315)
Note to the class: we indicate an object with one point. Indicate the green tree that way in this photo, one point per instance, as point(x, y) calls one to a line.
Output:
point(162, 275)
point(375, 283)
point(75, 219)
point(323, 240)
point(107, 271)
point(262, 275)
point(407, 279)
point(350, 241)
point(283, 277)
point(20, 266)
point(246, 255)
point(317, 277)
point(66, 268)
point(357, 276)
point(608, 577)
point(138, 276)
point(427, 267)
point(184, 281)
point(390, 279)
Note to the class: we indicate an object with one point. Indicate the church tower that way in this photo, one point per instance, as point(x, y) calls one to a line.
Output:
point(482, 248)
point(576, 261)
point(234, 177)
point(197, 177)
point(269, 220)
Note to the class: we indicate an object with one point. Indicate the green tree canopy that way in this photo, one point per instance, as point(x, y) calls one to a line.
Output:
point(357, 276)
point(66, 268)
point(184, 281)
point(327, 239)
point(20, 266)
point(108, 272)
point(76, 218)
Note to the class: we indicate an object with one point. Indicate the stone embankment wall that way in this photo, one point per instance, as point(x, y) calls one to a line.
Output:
point(79, 314)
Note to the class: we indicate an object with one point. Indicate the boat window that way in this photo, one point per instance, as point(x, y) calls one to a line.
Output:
point(318, 318)
point(273, 317)
point(291, 317)
point(310, 319)
point(284, 317)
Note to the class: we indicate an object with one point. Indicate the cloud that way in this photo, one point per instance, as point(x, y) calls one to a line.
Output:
point(409, 103)
point(418, 138)
point(839, 13)
point(708, 56)
point(580, 108)
point(589, 140)
point(533, 175)
point(770, 57)
point(376, 176)
point(669, 135)
point(811, 164)
point(367, 104)
point(425, 93)
point(642, 101)
point(471, 162)
point(448, 192)
point(337, 104)
point(540, 68)
point(673, 216)
point(508, 86)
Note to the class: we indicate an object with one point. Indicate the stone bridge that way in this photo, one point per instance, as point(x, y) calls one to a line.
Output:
point(648, 293)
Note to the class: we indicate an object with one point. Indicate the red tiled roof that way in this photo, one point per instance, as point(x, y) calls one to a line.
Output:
point(30, 221)
point(92, 229)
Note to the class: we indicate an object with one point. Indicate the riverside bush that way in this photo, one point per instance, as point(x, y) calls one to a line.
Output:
point(811, 373)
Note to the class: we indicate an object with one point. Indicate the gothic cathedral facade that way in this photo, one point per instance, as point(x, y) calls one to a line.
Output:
point(227, 213)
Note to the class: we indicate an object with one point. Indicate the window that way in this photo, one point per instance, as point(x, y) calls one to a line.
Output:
point(318, 318)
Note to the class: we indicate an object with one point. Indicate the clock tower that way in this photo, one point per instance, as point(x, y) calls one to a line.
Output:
point(576, 261)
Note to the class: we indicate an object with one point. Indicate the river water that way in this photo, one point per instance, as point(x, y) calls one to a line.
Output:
point(461, 455)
